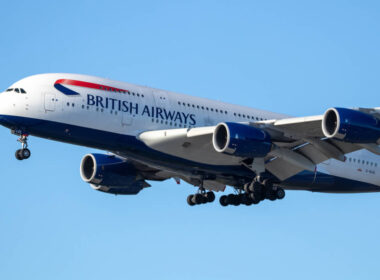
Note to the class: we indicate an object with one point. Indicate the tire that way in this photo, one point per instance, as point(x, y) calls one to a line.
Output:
point(210, 197)
point(244, 199)
point(25, 153)
point(268, 184)
point(190, 200)
point(197, 198)
point(18, 155)
point(256, 200)
point(271, 195)
point(223, 200)
point(280, 193)
point(246, 187)
point(254, 187)
point(231, 199)
point(236, 200)
point(204, 199)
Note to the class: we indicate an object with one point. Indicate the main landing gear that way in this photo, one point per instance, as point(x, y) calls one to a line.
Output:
point(24, 152)
point(254, 193)
point(202, 197)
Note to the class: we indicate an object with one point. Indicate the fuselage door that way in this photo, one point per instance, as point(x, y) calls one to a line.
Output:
point(127, 119)
point(161, 99)
point(50, 102)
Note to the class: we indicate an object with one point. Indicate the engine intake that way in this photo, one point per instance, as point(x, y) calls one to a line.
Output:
point(111, 174)
point(350, 126)
point(241, 140)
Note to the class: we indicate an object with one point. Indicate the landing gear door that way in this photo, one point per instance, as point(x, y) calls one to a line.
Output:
point(50, 102)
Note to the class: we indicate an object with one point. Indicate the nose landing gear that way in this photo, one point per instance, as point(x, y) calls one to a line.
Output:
point(24, 152)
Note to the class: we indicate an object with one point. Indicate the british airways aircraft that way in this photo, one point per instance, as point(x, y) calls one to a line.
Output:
point(153, 135)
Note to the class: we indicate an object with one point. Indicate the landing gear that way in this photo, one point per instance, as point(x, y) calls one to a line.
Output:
point(237, 199)
point(202, 197)
point(254, 192)
point(23, 153)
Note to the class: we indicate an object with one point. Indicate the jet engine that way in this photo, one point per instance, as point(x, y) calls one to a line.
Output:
point(350, 126)
point(241, 140)
point(111, 174)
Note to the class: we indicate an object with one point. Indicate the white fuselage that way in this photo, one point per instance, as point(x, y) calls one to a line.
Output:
point(128, 109)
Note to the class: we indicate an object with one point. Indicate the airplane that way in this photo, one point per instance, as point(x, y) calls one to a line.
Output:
point(150, 134)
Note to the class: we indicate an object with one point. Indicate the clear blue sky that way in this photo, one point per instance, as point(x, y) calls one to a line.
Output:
point(286, 56)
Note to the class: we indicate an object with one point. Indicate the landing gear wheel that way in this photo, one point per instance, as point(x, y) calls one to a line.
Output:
point(25, 153)
point(190, 200)
point(230, 199)
point(210, 196)
point(18, 155)
point(197, 198)
point(236, 200)
point(271, 195)
point(254, 198)
point(223, 200)
point(280, 193)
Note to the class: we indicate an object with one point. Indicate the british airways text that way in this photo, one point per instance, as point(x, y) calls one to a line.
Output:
point(134, 109)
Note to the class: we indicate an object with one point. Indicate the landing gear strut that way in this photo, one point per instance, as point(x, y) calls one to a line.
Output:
point(201, 197)
point(24, 152)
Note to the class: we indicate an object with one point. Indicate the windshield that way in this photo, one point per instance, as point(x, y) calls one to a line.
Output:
point(16, 90)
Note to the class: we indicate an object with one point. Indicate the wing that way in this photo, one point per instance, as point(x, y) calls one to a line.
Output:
point(297, 143)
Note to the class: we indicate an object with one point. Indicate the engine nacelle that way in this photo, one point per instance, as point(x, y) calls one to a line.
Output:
point(241, 140)
point(111, 174)
point(350, 126)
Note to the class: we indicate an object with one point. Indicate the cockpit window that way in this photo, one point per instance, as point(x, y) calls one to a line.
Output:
point(22, 90)
point(10, 89)
point(17, 90)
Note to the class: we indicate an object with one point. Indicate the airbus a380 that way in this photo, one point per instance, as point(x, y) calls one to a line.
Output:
point(153, 135)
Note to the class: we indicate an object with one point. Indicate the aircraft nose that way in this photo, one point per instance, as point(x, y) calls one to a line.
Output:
point(4, 108)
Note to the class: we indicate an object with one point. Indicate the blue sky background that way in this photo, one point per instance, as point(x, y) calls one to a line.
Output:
point(295, 57)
